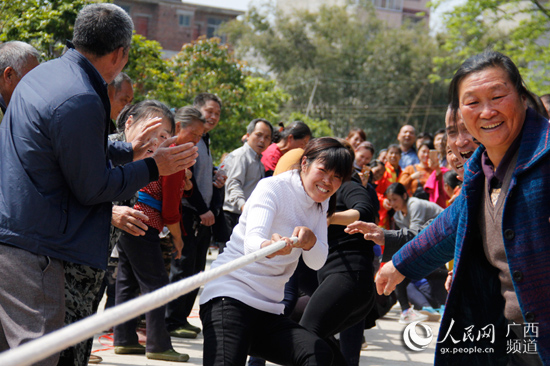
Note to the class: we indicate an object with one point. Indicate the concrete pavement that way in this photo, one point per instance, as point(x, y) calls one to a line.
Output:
point(385, 345)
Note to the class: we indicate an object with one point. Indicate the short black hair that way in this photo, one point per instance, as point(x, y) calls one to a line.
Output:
point(143, 109)
point(439, 131)
point(398, 189)
point(424, 135)
point(451, 179)
point(252, 125)
point(394, 146)
point(101, 28)
point(202, 98)
point(367, 145)
point(297, 129)
point(428, 143)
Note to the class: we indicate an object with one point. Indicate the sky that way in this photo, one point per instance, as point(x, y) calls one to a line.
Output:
point(230, 4)
point(435, 18)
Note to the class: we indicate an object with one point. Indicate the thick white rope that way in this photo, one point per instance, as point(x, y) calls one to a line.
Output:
point(57, 341)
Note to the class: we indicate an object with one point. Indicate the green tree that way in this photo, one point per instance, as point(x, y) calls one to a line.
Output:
point(151, 74)
point(344, 65)
point(206, 65)
point(45, 24)
point(517, 28)
point(319, 128)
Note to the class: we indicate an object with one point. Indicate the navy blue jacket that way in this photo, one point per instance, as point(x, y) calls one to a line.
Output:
point(56, 181)
point(475, 297)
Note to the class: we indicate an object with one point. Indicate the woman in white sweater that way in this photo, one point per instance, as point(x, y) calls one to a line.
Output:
point(242, 311)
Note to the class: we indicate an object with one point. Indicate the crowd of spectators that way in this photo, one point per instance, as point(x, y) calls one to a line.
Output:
point(102, 197)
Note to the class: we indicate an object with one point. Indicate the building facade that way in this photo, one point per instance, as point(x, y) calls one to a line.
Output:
point(173, 23)
point(394, 12)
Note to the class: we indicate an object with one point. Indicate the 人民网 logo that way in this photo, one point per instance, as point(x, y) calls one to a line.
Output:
point(415, 341)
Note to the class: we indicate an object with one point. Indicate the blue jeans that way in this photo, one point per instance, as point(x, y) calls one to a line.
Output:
point(232, 330)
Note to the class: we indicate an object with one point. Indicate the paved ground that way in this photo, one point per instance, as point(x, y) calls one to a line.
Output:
point(385, 345)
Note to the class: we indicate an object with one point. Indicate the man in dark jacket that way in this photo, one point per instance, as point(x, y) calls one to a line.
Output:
point(56, 180)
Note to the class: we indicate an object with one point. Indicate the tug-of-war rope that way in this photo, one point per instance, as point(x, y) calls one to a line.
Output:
point(49, 344)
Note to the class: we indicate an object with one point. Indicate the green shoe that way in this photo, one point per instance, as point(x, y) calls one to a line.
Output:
point(191, 328)
point(169, 355)
point(183, 333)
point(135, 349)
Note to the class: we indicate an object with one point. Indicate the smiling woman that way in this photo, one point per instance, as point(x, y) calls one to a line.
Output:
point(492, 98)
point(497, 229)
point(242, 312)
point(324, 166)
point(141, 264)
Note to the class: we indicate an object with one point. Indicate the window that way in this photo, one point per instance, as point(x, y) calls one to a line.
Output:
point(184, 18)
point(212, 26)
point(388, 4)
point(413, 18)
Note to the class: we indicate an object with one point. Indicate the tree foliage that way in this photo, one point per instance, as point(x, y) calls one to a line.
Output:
point(149, 71)
point(203, 66)
point(517, 28)
point(355, 69)
point(46, 24)
point(318, 127)
point(206, 65)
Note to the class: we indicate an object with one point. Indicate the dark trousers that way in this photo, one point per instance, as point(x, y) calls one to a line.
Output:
point(401, 292)
point(341, 301)
point(351, 340)
point(108, 286)
point(141, 268)
point(232, 330)
point(192, 261)
point(231, 220)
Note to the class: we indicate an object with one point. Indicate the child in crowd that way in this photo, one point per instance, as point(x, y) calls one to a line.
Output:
point(141, 267)
point(452, 185)
point(434, 184)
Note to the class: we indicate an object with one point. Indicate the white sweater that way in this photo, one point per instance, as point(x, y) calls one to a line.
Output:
point(277, 205)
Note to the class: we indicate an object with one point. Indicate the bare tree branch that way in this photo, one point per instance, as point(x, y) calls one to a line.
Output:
point(542, 8)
